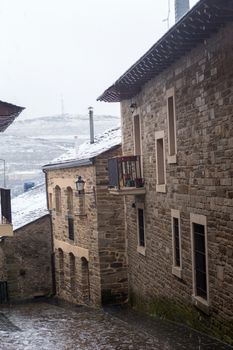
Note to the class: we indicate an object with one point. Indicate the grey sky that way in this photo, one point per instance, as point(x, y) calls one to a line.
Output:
point(73, 48)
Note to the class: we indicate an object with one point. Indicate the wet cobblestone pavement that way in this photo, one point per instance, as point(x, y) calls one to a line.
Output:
point(47, 326)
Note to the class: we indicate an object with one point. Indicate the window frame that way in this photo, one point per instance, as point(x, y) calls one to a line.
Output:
point(160, 187)
point(176, 270)
point(171, 158)
point(198, 300)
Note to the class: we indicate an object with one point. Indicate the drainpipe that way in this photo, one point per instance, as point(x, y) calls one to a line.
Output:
point(91, 122)
point(181, 7)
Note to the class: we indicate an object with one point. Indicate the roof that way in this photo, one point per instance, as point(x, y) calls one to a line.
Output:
point(87, 152)
point(8, 113)
point(29, 206)
point(205, 18)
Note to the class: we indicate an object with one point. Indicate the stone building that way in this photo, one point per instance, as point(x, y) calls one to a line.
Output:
point(176, 171)
point(88, 225)
point(25, 247)
point(25, 256)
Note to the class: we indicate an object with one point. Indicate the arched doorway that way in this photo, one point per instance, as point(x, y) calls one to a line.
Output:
point(72, 274)
point(60, 270)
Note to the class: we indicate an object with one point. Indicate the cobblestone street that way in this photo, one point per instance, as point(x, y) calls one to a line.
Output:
point(46, 326)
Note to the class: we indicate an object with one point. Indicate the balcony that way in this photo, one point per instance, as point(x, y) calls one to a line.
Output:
point(125, 176)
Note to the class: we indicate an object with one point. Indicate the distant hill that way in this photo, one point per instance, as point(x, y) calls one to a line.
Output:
point(30, 143)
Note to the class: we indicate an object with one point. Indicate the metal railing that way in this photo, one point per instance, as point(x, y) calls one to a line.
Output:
point(125, 172)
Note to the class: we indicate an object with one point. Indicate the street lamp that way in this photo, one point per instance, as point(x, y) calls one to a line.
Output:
point(4, 172)
point(80, 184)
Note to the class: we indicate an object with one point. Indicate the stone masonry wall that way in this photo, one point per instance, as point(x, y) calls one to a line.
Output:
point(27, 260)
point(92, 267)
point(85, 285)
point(111, 228)
point(199, 183)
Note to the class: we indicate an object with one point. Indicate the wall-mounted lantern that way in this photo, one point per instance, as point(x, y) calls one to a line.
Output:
point(80, 184)
point(133, 107)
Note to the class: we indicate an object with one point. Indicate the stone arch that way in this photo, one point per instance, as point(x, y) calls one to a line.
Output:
point(85, 282)
point(58, 199)
point(72, 273)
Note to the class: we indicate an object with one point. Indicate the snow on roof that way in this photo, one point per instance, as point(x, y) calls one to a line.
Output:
point(102, 143)
point(29, 206)
point(32, 205)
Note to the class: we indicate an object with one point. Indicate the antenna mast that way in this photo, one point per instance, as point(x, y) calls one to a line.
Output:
point(62, 106)
point(168, 15)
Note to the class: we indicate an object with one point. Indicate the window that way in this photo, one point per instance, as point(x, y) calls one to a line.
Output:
point(58, 199)
point(199, 257)
point(69, 200)
point(176, 243)
point(71, 228)
point(141, 228)
point(160, 162)
point(171, 117)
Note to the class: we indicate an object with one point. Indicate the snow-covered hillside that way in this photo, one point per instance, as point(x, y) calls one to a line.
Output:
point(31, 205)
point(28, 144)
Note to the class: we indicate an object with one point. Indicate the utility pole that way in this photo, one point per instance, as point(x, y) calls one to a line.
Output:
point(62, 106)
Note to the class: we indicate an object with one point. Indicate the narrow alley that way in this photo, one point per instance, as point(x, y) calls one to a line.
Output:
point(49, 326)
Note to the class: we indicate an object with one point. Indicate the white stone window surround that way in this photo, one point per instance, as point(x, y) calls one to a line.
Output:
point(160, 187)
point(176, 270)
point(198, 301)
point(172, 154)
point(141, 249)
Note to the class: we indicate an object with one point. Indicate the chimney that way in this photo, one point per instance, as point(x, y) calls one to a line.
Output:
point(91, 122)
point(181, 7)
point(76, 145)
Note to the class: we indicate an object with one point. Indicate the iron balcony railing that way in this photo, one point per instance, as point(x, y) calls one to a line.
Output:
point(125, 172)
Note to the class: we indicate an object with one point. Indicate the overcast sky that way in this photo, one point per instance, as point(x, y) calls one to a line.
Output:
point(73, 48)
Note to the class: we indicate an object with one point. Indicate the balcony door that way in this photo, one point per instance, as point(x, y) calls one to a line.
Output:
point(137, 139)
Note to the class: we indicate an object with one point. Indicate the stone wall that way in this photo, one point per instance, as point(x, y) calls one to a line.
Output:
point(91, 267)
point(111, 228)
point(27, 260)
point(85, 243)
point(200, 182)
